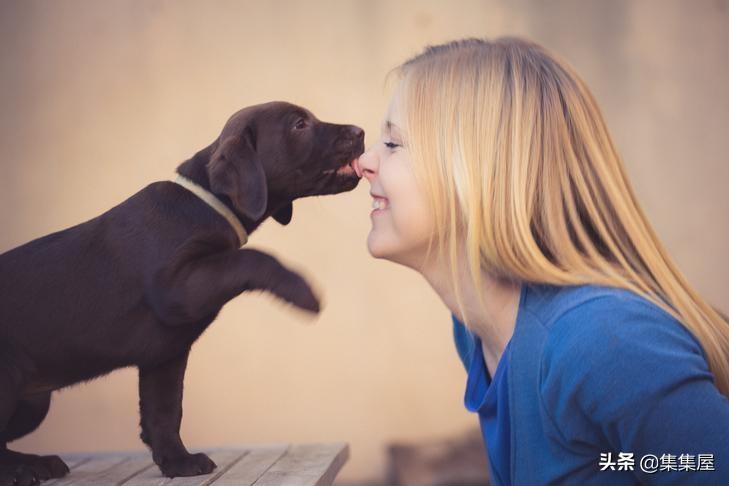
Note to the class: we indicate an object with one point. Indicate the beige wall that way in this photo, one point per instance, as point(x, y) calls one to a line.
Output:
point(100, 98)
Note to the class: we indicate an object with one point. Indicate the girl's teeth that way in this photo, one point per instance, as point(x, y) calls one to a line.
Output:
point(379, 204)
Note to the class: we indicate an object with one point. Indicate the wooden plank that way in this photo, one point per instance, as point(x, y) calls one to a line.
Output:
point(259, 465)
point(89, 469)
point(153, 477)
point(119, 473)
point(72, 461)
point(252, 466)
point(307, 465)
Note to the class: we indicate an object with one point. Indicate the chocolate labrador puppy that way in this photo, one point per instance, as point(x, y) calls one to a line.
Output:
point(137, 285)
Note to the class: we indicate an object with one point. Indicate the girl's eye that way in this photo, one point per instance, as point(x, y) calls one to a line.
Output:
point(391, 145)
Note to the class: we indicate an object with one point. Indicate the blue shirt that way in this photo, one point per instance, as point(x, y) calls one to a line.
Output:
point(604, 387)
point(490, 399)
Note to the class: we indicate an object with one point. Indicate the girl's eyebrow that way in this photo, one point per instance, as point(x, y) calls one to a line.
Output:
point(388, 125)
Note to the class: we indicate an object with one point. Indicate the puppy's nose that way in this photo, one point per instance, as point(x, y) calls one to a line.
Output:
point(353, 133)
point(357, 133)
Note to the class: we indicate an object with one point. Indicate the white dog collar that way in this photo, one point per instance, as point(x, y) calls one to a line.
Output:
point(216, 204)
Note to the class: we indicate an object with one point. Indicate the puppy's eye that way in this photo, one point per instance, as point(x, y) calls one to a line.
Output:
point(391, 145)
point(300, 124)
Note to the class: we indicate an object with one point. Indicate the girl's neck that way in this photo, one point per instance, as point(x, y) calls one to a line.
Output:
point(494, 322)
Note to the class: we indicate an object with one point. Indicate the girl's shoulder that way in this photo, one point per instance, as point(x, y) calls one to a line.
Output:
point(615, 352)
point(619, 366)
point(553, 304)
point(597, 319)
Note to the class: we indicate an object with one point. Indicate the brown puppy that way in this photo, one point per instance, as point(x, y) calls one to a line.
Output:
point(137, 285)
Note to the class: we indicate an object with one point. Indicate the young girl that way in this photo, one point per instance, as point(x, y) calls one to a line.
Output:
point(590, 359)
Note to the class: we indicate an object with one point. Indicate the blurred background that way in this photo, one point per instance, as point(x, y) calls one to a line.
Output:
point(101, 98)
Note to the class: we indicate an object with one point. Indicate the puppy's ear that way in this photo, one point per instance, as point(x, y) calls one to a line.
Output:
point(283, 214)
point(235, 170)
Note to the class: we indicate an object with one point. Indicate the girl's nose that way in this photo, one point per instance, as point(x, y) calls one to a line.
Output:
point(366, 164)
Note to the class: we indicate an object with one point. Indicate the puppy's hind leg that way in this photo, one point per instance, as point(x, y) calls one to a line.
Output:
point(20, 415)
point(28, 468)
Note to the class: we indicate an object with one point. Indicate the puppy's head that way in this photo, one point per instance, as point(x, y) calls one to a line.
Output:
point(268, 155)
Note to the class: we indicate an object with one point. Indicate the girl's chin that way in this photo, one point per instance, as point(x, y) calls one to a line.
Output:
point(376, 246)
point(392, 249)
point(382, 250)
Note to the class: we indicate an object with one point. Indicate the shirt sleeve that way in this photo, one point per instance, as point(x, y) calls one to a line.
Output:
point(624, 372)
point(464, 341)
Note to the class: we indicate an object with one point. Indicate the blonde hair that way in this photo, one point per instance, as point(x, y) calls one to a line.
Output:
point(515, 157)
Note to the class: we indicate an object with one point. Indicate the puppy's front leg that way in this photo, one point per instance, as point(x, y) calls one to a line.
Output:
point(160, 408)
point(197, 281)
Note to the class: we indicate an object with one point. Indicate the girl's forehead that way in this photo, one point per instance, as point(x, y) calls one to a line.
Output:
point(393, 117)
point(395, 105)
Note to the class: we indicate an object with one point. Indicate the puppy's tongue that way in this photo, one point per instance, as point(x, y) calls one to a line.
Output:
point(346, 169)
point(356, 167)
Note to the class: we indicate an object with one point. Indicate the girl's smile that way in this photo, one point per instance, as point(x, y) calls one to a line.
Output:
point(379, 203)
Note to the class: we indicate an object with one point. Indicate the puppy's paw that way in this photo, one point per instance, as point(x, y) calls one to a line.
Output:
point(52, 465)
point(297, 291)
point(17, 475)
point(189, 465)
point(32, 470)
point(20, 475)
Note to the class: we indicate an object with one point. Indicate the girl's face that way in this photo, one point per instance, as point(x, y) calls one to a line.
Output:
point(401, 221)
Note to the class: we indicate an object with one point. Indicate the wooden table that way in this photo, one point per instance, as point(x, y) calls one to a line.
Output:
point(259, 465)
